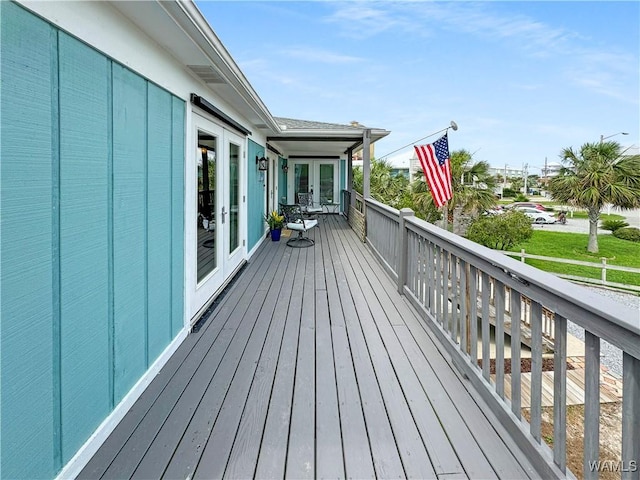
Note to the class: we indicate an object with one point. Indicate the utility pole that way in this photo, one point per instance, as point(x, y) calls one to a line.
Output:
point(504, 180)
point(525, 173)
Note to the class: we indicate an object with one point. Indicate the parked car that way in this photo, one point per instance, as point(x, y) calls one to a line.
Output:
point(537, 206)
point(536, 215)
point(493, 211)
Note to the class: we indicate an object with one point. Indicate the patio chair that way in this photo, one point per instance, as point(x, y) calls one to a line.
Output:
point(309, 208)
point(296, 222)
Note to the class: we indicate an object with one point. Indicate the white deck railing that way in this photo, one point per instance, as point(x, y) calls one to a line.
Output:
point(459, 285)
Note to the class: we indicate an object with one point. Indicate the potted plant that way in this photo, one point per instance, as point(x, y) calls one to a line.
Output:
point(275, 222)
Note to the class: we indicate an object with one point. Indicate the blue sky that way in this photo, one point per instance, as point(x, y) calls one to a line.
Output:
point(521, 79)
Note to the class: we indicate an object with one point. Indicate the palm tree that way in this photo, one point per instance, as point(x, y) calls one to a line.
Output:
point(471, 183)
point(385, 186)
point(598, 174)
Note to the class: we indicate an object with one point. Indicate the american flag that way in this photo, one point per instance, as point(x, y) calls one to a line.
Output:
point(434, 159)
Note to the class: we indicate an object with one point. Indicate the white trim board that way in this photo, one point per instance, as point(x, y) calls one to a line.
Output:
point(74, 466)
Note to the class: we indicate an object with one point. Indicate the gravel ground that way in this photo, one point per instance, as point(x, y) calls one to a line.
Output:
point(610, 356)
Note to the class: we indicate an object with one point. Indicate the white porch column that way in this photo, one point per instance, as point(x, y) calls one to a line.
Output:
point(366, 164)
point(352, 197)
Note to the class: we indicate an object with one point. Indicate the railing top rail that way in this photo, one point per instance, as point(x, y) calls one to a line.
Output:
point(386, 210)
point(621, 325)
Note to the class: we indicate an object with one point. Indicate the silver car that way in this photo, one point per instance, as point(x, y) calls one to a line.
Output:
point(536, 215)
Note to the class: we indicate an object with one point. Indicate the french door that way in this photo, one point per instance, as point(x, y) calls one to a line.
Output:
point(215, 244)
point(317, 176)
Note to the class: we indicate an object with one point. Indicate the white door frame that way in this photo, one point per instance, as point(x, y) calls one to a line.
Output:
point(199, 294)
point(314, 178)
point(336, 179)
point(291, 178)
point(231, 259)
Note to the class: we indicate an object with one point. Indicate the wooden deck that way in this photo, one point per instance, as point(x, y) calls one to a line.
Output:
point(311, 365)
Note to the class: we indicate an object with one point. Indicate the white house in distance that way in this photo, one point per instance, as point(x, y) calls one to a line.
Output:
point(131, 194)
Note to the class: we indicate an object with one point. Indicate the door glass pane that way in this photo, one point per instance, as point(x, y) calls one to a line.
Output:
point(301, 179)
point(206, 158)
point(326, 183)
point(234, 197)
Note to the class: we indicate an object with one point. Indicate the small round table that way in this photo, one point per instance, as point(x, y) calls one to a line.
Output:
point(330, 207)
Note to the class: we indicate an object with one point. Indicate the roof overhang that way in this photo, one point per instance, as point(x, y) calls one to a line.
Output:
point(180, 28)
point(318, 143)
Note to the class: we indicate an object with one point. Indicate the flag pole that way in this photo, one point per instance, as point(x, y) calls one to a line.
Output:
point(445, 216)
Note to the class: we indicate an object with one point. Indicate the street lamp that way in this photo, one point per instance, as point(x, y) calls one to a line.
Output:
point(603, 138)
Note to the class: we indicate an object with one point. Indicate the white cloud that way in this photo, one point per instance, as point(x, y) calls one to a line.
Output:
point(319, 55)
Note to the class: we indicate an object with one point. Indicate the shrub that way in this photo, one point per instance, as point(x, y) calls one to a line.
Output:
point(507, 193)
point(613, 225)
point(521, 198)
point(501, 232)
point(628, 233)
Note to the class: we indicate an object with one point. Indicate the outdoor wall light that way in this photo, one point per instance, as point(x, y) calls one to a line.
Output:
point(285, 167)
point(262, 163)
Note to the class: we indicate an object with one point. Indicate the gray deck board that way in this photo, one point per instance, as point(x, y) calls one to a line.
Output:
point(418, 381)
point(487, 441)
point(311, 365)
point(246, 447)
point(384, 450)
point(266, 332)
point(412, 449)
point(174, 376)
point(355, 443)
point(185, 401)
point(273, 452)
point(301, 449)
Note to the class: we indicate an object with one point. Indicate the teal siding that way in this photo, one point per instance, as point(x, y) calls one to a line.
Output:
point(255, 196)
point(282, 180)
point(84, 241)
point(158, 217)
point(91, 238)
point(26, 241)
point(129, 232)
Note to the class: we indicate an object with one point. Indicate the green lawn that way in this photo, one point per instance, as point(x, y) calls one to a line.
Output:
point(603, 216)
point(574, 246)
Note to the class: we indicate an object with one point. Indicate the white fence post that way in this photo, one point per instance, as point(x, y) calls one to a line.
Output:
point(403, 243)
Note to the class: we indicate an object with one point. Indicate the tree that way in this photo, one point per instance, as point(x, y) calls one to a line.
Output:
point(501, 232)
point(517, 183)
point(597, 174)
point(471, 183)
point(385, 186)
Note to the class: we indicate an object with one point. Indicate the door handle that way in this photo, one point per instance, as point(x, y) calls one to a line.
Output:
point(222, 214)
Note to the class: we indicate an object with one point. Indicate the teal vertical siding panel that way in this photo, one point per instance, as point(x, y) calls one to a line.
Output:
point(342, 176)
point(158, 220)
point(26, 228)
point(255, 196)
point(282, 180)
point(84, 246)
point(177, 215)
point(129, 228)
